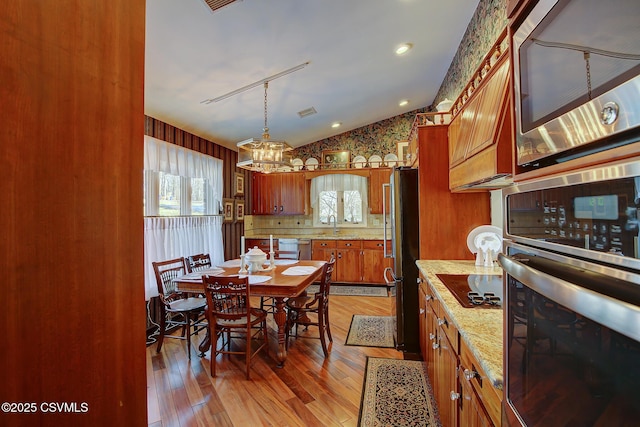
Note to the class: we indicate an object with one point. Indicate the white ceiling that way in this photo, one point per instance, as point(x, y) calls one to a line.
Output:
point(354, 76)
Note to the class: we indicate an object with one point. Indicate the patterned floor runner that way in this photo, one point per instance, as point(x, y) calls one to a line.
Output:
point(397, 393)
point(371, 331)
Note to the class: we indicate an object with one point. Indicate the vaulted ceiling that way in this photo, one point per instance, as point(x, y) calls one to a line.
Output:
point(353, 75)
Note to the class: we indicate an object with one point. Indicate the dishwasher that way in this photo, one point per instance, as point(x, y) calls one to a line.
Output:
point(303, 246)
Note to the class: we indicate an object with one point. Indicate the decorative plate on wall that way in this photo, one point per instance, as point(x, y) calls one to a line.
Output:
point(390, 160)
point(359, 161)
point(374, 161)
point(312, 164)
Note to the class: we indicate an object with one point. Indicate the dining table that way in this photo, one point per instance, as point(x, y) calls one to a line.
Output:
point(285, 279)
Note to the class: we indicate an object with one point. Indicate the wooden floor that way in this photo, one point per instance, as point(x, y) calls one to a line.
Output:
point(308, 391)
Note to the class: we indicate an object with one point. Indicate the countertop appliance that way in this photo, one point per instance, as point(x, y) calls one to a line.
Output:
point(404, 231)
point(576, 79)
point(572, 298)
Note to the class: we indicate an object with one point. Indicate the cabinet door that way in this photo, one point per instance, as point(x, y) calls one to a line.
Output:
point(349, 261)
point(376, 179)
point(259, 194)
point(422, 323)
point(373, 262)
point(292, 191)
point(471, 412)
point(446, 387)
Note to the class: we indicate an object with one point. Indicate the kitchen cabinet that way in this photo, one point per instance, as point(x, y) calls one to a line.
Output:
point(464, 395)
point(377, 196)
point(349, 257)
point(278, 194)
point(479, 400)
point(357, 261)
point(374, 262)
point(480, 134)
point(262, 244)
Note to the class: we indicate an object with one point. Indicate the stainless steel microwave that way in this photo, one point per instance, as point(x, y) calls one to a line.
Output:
point(576, 79)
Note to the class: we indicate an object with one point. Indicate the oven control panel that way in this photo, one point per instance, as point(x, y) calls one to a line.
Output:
point(600, 216)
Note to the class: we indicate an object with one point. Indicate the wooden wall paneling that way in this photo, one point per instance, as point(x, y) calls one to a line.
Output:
point(445, 218)
point(72, 239)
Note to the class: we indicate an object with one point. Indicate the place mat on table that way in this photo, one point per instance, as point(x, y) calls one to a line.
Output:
point(282, 261)
point(300, 270)
point(230, 263)
point(253, 279)
point(196, 276)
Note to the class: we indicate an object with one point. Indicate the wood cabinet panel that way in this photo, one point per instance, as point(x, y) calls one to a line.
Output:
point(374, 262)
point(262, 244)
point(278, 194)
point(349, 259)
point(446, 218)
point(488, 397)
point(376, 194)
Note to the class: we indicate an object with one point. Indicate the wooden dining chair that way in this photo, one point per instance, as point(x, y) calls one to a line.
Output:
point(299, 308)
point(268, 303)
point(175, 303)
point(198, 262)
point(232, 317)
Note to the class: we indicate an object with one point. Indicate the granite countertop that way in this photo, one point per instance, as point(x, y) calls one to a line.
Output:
point(481, 329)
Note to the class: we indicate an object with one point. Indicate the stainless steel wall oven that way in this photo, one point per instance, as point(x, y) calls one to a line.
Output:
point(572, 299)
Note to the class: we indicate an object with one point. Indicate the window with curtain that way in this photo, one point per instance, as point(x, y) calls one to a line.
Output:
point(341, 198)
point(182, 201)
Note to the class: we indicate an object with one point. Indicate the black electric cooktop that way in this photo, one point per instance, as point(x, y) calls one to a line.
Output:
point(482, 291)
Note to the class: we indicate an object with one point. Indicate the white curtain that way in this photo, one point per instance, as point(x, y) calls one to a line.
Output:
point(161, 156)
point(173, 237)
point(337, 182)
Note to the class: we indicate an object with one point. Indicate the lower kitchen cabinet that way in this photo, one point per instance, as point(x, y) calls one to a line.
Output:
point(262, 244)
point(357, 261)
point(464, 396)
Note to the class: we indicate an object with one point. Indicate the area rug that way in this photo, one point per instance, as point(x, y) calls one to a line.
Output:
point(371, 331)
point(397, 393)
point(362, 291)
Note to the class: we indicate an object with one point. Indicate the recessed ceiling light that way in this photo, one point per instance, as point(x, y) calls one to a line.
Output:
point(403, 48)
point(403, 102)
point(336, 124)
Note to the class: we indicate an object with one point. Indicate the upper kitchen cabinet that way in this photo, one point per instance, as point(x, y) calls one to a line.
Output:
point(480, 134)
point(278, 194)
point(377, 196)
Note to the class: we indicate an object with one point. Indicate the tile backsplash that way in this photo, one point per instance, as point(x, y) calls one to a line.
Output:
point(302, 226)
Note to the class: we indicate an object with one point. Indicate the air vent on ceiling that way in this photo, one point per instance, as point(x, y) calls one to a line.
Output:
point(307, 112)
point(218, 4)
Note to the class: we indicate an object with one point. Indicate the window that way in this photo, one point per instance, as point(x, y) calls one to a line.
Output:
point(180, 182)
point(340, 199)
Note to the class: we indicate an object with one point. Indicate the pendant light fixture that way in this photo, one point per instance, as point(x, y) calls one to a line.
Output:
point(264, 154)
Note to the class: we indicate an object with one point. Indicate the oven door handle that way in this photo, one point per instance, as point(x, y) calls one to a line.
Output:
point(615, 314)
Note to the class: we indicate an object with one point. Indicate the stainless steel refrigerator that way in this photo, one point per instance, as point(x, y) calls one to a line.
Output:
point(402, 242)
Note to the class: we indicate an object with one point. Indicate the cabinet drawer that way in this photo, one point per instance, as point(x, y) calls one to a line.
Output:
point(471, 372)
point(262, 244)
point(323, 244)
point(373, 244)
point(349, 244)
point(449, 329)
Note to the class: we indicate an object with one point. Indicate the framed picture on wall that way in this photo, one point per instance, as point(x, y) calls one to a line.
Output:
point(239, 184)
point(239, 210)
point(403, 152)
point(227, 207)
point(336, 159)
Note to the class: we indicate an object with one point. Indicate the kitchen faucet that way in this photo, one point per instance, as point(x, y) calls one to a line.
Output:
point(335, 230)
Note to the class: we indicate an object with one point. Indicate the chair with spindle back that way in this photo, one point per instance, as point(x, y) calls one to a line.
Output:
point(198, 262)
point(231, 316)
point(174, 303)
point(299, 308)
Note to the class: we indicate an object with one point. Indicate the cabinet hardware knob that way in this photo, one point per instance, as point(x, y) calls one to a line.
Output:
point(432, 336)
point(435, 345)
point(469, 375)
point(422, 310)
point(428, 297)
point(454, 395)
point(419, 280)
point(441, 321)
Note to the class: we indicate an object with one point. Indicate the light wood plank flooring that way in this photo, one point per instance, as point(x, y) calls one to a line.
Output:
point(308, 391)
